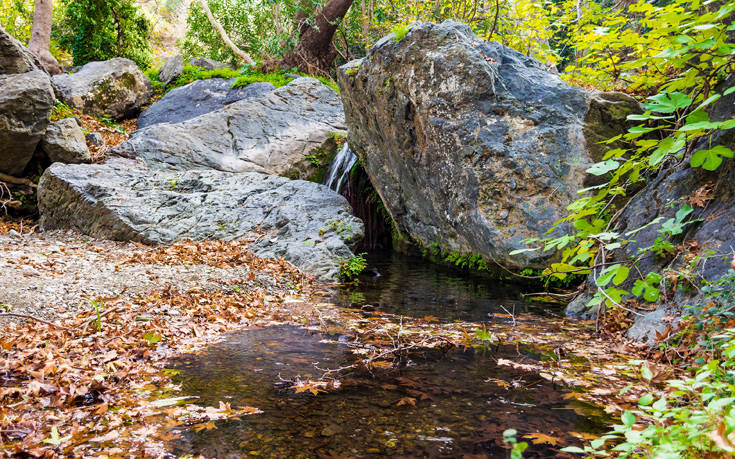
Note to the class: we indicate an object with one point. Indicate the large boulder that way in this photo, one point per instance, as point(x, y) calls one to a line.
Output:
point(197, 98)
point(171, 69)
point(14, 57)
point(277, 133)
point(64, 142)
point(116, 88)
point(303, 222)
point(26, 100)
point(472, 146)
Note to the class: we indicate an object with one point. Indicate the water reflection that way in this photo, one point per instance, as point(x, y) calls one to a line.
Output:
point(455, 405)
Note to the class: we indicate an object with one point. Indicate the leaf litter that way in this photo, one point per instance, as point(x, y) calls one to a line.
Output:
point(99, 385)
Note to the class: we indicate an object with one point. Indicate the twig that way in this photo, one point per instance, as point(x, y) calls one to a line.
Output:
point(26, 316)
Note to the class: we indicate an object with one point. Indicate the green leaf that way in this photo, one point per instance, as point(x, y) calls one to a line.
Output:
point(573, 449)
point(628, 418)
point(621, 275)
point(608, 274)
point(603, 167)
point(666, 147)
point(667, 102)
point(646, 373)
point(710, 159)
point(152, 338)
point(645, 400)
point(729, 91)
point(55, 439)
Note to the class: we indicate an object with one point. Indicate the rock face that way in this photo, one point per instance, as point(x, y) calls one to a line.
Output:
point(274, 133)
point(26, 100)
point(64, 142)
point(471, 145)
point(14, 57)
point(197, 98)
point(207, 63)
point(304, 222)
point(171, 69)
point(116, 88)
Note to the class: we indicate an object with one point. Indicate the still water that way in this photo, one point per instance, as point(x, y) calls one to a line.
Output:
point(454, 404)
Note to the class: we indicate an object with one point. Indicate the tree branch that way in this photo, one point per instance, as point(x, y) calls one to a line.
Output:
point(240, 53)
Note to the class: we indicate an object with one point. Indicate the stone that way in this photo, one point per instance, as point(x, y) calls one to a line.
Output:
point(14, 57)
point(304, 222)
point(26, 100)
point(207, 63)
point(64, 142)
point(95, 138)
point(171, 69)
point(115, 88)
point(197, 98)
point(472, 146)
point(275, 133)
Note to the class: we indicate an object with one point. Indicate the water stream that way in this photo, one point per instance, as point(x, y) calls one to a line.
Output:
point(454, 404)
point(340, 168)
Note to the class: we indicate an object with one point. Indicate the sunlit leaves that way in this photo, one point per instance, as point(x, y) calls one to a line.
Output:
point(667, 102)
point(710, 159)
point(603, 167)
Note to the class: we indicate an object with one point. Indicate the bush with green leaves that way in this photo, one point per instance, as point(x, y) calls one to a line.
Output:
point(692, 418)
point(97, 30)
point(350, 268)
point(695, 56)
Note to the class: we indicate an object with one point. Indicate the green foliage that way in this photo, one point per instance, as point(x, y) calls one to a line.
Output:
point(692, 418)
point(263, 29)
point(97, 307)
point(516, 449)
point(192, 73)
point(61, 111)
point(276, 79)
point(349, 269)
point(683, 56)
point(399, 31)
point(96, 30)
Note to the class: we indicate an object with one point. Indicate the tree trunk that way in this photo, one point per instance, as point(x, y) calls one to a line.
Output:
point(240, 53)
point(41, 36)
point(315, 52)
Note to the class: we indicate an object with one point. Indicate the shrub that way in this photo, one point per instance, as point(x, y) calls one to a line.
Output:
point(96, 30)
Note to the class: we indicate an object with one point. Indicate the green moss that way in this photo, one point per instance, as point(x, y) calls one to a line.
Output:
point(276, 79)
point(399, 31)
point(320, 159)
point(193, 73)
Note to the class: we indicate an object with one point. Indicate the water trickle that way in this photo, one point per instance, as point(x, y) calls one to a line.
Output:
point(340, 168)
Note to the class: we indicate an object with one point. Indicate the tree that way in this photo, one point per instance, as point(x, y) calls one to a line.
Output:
point(41, 36)
point(240, 53)
point(315, 52)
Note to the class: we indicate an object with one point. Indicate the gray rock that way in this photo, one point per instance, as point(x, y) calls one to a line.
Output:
point(95, 138)
point(14, 57)
point(26, 100)
point(116, 88)
point(64, 142)
point(125, 200)
point(171, 69)
point(274, 133)
point(197, 98)
point(207, 63)
point(471, 145)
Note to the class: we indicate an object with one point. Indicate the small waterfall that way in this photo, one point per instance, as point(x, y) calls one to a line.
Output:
point(340, 168)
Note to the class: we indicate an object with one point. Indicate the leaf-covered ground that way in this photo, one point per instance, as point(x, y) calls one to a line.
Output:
point(88, 377)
